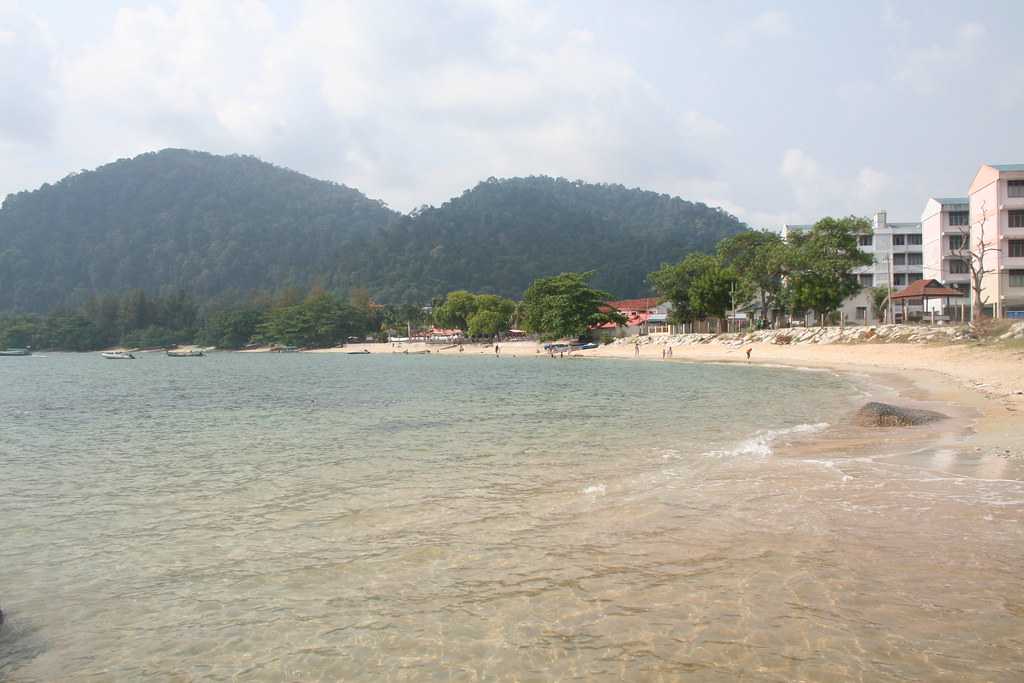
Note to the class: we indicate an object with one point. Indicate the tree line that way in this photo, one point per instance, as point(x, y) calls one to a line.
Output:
point(805, 271)
point(314, 318)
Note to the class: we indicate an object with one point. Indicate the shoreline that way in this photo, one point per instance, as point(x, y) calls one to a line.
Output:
point(980, 389)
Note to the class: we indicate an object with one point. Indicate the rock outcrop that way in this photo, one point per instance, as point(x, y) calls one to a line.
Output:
point(876, 414)
point(851, 334)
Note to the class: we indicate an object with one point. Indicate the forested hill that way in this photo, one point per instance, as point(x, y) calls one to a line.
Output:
point(222, 227)
point(500, 235)
point(176, 219)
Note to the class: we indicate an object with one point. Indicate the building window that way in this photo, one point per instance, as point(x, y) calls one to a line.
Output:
point(1015, 188)
point(956, 242)
point(862, 313)
point(1016, 248)
point(1017, 278)
point(958, 266)
point(899, 259)
point(865, 240)
point(914, 259)
point(1017, 219)
point(913, 240)
point(959, 218)
point(899, 279)
point(898, 240)
point(866, 280)
point(914, 277)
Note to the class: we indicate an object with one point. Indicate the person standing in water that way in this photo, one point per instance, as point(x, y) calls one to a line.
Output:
point(497, 351)
point(749, 349)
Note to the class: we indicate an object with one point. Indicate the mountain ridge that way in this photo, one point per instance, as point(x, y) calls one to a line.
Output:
point(226, 226)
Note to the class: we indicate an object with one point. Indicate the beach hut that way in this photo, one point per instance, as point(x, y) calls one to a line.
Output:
point(921, 291)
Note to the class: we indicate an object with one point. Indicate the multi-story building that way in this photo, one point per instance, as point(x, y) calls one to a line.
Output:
point(945, 225)
point(897, 249)
point(996, 201)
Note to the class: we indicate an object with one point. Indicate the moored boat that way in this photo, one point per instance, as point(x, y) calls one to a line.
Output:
point(188, 353)
point(117, 355)
point(16, 352)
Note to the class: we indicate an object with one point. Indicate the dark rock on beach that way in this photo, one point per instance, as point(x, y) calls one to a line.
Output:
point(876, 414)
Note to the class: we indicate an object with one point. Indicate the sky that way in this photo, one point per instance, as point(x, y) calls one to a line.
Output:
point(777, 112)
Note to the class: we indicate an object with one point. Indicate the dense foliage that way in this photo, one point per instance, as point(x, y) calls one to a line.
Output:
point(479, 315)
point(316, 319)
point(223, 227)
point(808, 271)
point(565, 306)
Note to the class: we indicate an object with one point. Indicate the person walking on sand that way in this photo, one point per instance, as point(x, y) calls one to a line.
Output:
point(663, 352)
point(497, 351)
point(636, 349)
point(749, 349)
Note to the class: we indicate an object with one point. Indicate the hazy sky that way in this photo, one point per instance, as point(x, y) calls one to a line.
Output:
point(777, 111)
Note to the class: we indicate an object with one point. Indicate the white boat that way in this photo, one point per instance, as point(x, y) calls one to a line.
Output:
point(188, 353)
point(117, 355)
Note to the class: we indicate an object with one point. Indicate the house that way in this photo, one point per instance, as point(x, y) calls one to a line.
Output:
point(640, 315)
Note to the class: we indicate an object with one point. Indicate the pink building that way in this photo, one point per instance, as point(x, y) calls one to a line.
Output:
point(945, 224)
point(996, 200)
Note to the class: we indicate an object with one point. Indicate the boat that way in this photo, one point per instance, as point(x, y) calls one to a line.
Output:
point(189, 353)
point(16, 352)
point(284, 349)
point(117, 355)
point(357, 353)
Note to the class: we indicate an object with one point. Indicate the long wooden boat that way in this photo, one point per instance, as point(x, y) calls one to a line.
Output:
point(189, 353)
point(16, 352)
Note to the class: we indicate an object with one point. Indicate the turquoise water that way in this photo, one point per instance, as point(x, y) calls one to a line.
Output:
point(333, 517)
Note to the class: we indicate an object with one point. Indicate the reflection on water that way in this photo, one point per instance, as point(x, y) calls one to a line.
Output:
point(319, 517)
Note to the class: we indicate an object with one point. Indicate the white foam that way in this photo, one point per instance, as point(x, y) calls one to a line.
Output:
point(596, 490)
point(760, 445)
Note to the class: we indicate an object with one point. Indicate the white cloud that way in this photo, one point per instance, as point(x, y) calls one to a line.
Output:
point(892, 20)
point(28, 96)
point(819, 191)
point(770, 24)
point(925, 69)
point(407, 102)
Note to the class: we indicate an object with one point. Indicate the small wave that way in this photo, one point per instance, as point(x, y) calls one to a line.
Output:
point(760, 445)
point(596, 490)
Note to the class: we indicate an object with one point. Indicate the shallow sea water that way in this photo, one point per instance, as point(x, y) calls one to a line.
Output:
point(331, 517)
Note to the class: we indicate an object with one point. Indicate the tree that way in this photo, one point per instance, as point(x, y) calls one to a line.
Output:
point(566, 306)
point(698, 287)
point(454, 313)
point(232, 329)
point(880, 301)
point(758, 259)
point(319, 321)
point(487, 323)
point(711, 290)
point(973, 252)
point(820, 262)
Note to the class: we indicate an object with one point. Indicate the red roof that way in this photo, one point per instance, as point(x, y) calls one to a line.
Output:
point(928, 289)
point(627, 305)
